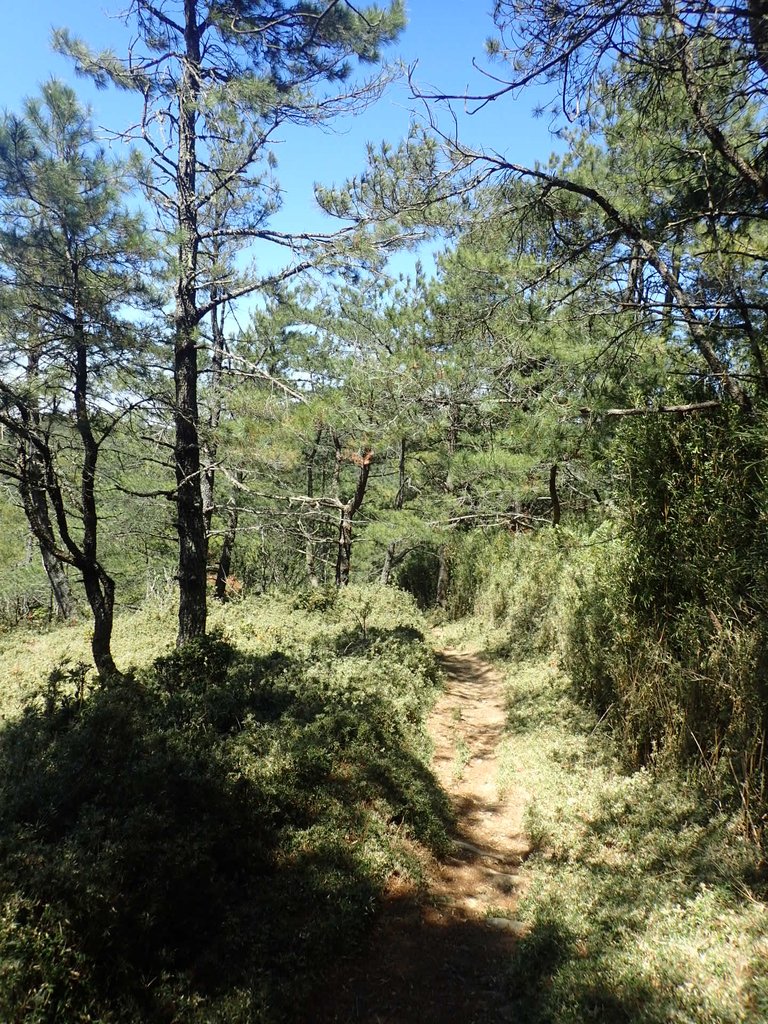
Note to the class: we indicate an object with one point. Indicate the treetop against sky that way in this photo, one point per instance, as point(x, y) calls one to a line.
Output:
point(444, 37)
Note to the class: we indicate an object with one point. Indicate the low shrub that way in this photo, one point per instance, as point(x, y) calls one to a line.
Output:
point(641, 904)
point(196, 843)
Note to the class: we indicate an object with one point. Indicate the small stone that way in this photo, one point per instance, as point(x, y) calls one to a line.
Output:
point(506, 924)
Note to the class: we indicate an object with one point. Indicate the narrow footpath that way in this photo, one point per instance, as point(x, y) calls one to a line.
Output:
point(440, 957)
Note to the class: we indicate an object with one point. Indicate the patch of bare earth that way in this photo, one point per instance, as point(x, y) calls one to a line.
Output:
point(440, 957)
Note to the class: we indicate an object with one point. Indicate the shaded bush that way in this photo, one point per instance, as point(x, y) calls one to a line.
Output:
point(195, 844)
point(417, 575)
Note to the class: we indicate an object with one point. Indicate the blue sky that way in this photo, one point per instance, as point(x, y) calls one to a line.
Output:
point(442, 35)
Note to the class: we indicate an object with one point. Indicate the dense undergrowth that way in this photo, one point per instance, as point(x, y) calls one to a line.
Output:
point(198, 842)
point(646, 898)
point(668, 650)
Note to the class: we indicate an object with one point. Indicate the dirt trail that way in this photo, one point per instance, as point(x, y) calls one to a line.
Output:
point(440, 958)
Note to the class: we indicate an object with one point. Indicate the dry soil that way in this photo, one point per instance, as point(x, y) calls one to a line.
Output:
point(439, 956)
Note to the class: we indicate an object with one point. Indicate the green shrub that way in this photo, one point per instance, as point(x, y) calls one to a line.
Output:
point(520, 594)
point(473, 558)
point(667, 630)
point(196, 843)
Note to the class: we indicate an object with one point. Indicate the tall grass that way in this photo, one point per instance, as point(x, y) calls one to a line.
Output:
point(642, 905)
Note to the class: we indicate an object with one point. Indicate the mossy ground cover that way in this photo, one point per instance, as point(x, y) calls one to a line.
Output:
point(198, 842)
point(644, 903)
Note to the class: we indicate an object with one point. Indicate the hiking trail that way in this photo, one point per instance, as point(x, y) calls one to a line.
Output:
point(440, 957)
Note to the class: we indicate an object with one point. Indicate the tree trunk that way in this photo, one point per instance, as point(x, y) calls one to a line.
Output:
point(555, 498)
point(100, 591)
point(454, 423)
point(36, 503)
point(227, 548)
point(60, 588)
point(347, 512)
point(389, 561)
point(36, 508)
point(190, 521)
point(210, 447)
point(443, 577)
point(99, 587)
point(400, 496)
point(344, 558)
point(310, 546)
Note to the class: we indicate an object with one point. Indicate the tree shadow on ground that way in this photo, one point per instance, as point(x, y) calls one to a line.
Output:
point(196, 844)
point(421, 965)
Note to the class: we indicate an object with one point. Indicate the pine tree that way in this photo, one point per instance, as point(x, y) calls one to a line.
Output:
point(217, 78)
point(71, 260)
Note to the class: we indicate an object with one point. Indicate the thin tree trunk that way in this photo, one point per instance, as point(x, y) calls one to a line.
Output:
point(389, 561)
point(310, 547)
point(555, 498)
point(454, 423)
point(227, 548)
point(210, 446)
point(400, 496)
point(344, 558)
point(38, 504)
point(36, 508)
point(39, 486)
point(389, 556)
point(443, 577)
point(100, 591)
point(347, 513)
point(99, 587)
point(60, 588)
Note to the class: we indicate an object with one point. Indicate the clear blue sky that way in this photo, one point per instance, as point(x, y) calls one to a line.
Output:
point(442, 35)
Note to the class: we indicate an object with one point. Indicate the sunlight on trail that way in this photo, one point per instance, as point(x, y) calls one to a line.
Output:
point(441, 955)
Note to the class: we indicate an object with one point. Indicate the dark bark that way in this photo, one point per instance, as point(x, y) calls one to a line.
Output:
point(210, 448)
point(389, 557)
point(401, 479)
point(758, 30)
point(66, 608)
point(190, 520)
point(310, 545)
point(454, 425)
point(99, 586)
point(554, 497)
point(443, 577)
point(224, 569)
point(347, 513)
point(100, 591)
point(32, 489)
point(44, 503)
point(36, 504)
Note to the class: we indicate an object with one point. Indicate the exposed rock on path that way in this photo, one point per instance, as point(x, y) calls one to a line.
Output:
point(441, 958)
